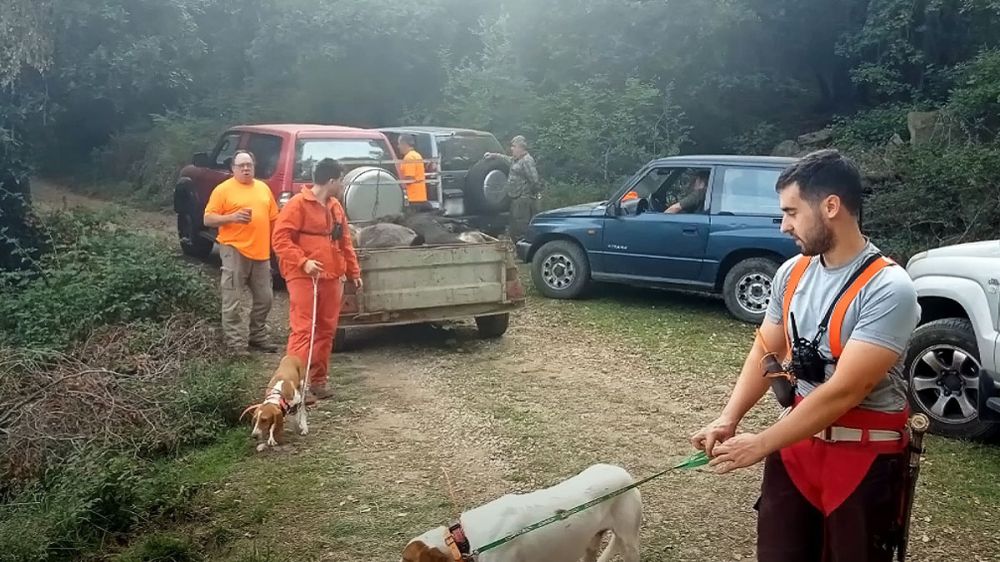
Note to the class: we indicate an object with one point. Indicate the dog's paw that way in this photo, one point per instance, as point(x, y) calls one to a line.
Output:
point(304, 430)
point(261, 447)
point(271, 442)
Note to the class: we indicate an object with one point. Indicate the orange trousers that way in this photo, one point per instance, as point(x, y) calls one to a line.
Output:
point(300, 298)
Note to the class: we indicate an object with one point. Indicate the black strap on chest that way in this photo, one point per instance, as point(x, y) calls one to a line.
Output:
point(824, 324)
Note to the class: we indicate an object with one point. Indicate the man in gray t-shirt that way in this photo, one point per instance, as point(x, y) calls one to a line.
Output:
point(834, 460)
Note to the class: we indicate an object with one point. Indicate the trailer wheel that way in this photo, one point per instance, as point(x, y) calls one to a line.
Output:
point(493, 326)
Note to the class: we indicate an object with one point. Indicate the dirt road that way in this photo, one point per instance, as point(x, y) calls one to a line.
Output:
point(571, 384)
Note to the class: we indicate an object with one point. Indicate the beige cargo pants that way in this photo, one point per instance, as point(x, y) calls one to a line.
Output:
point(239, 272)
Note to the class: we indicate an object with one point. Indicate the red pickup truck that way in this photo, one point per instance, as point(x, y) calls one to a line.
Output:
point(285, 155)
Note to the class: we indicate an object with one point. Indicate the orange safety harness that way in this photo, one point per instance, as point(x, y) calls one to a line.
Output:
point(824, 470)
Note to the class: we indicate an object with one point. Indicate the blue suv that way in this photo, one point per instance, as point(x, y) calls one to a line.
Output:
point(704, 223)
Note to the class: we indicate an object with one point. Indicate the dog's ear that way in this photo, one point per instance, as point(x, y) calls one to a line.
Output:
point(417, 551)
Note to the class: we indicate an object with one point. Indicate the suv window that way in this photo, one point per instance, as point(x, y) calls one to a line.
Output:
point(424, 142)
point(461, 152)
point(357, 152)
point(265, 149)
point(226, 148)
point(749, 191)
point(664, 186)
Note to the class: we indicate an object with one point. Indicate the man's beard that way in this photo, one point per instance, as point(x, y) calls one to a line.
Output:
point(820, 241)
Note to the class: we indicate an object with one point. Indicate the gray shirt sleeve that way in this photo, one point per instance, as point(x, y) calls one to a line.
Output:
point(773, 314)
point(889, 311)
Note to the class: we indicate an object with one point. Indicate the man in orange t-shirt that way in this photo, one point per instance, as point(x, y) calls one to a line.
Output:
point(243, 209)
point(312, 239)
point(414, 174)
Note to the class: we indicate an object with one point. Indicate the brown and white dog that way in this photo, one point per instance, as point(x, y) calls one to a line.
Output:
point(284, 394)
point(575, 538)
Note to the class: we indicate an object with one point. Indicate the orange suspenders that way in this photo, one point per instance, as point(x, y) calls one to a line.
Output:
point(841, 305)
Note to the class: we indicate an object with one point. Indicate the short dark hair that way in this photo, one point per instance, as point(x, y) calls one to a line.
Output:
point(702, 175)
point(824, 173)
point(409, 139)
point(327, 169)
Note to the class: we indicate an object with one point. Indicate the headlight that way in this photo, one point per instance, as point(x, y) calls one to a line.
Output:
point(284, 198)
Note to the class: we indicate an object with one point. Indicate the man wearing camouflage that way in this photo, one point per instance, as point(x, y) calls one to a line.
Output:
point(523, 186)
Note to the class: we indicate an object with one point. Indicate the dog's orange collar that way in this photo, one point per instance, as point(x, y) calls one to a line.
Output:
point(280, 403)
point(458, 543)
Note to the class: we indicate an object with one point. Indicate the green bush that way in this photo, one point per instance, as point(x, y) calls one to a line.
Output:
point(565, 193)
point(162, 547)
point(758, 140)
point(103, 494)
point(142, 165)
point(98, 273)
point(937, 195)
point(871, 128)
point(599, 129)
point(976, 97)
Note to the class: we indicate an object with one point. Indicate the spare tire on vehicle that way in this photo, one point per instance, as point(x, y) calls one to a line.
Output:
point(370, 193)
point(486, 186)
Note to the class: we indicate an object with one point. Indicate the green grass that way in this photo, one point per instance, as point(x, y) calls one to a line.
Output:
point(326, 501)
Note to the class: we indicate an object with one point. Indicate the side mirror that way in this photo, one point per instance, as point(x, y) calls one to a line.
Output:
point(611, 210)
point(201, 160)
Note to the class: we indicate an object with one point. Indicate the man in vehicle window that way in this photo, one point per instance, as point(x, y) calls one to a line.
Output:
point(244, 210)
point(414, 173)
point(693, 202)
point(523, 186)
point(835, 458)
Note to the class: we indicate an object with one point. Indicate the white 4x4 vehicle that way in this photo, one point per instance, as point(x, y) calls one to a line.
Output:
point(951, 365)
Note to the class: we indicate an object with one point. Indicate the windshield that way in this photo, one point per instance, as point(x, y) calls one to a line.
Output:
point(351, 152)
point(460, 152)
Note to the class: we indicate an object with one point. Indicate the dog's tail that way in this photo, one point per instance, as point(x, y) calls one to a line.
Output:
point(252, 407)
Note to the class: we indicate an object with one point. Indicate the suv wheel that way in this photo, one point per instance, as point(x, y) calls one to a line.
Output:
point(747, 288)
point(189, 232)
point(485, 186)
point(942, 369)
point(560, 270)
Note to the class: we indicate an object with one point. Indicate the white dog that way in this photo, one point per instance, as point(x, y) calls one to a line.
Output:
point(578, 536)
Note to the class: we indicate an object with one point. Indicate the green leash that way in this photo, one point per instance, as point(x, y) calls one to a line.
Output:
point(694, 461)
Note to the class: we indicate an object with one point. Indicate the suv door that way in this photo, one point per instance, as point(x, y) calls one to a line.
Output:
point(744, 198)
point(643, 242)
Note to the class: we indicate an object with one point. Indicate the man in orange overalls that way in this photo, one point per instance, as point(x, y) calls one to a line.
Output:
point(312, 240)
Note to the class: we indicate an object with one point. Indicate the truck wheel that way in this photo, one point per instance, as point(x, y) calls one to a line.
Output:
point(189, 232)
point(485, 186)
point(942, 369)
point(560, 270)
point(747, 288)
point(340, 340)
point(493, 326)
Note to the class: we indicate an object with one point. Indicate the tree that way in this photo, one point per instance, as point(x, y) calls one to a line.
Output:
point(25, 48)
